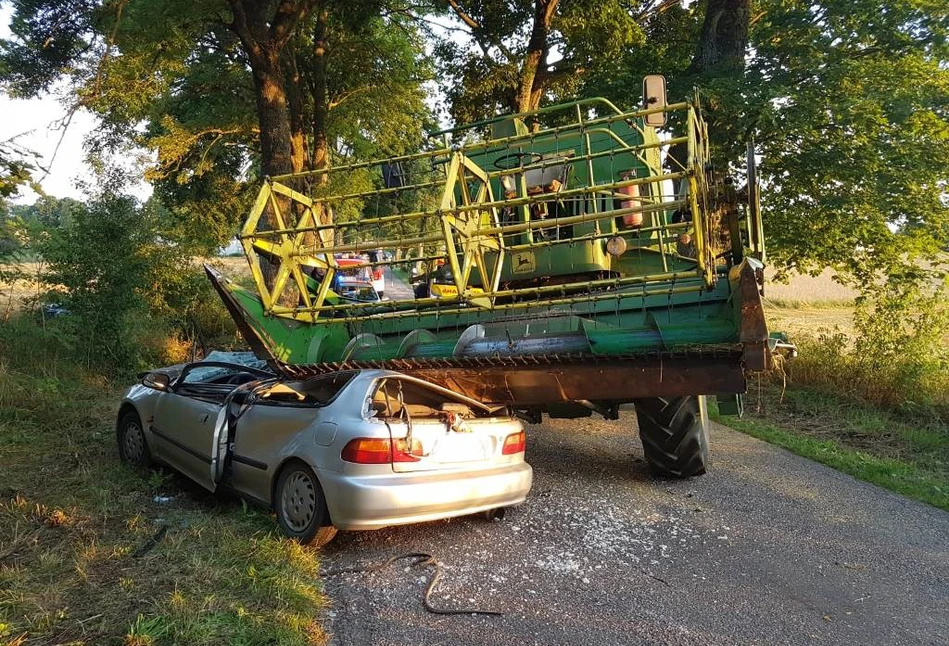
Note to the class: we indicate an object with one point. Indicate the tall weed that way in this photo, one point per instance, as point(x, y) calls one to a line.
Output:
point(897, 358)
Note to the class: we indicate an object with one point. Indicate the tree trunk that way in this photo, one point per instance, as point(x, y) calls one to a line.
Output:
point(531, 79)
point(320, 95)
point(724, 39)
point(720, 50)
point(298, 154)
point(273, 116)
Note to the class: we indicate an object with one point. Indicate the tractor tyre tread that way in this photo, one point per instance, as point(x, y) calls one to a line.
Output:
point(674, 433)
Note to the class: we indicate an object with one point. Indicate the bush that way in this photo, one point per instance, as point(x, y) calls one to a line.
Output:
point(132, 296)
point(898, 358)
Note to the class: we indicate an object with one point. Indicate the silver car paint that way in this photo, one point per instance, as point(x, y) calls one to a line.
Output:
point(359, 496)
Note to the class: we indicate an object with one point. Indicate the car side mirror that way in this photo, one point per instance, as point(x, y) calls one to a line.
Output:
point(157, 381)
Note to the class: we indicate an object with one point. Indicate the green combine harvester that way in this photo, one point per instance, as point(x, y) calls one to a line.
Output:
point(579, 266)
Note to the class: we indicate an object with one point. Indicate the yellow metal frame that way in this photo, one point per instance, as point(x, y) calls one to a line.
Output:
point(285, 229)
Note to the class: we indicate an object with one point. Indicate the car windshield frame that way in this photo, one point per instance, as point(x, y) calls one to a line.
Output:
point(223, 368)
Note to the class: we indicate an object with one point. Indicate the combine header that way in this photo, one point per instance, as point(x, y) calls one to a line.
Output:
point(579, 265)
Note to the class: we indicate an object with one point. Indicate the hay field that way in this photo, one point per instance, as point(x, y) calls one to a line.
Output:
point(24, 289)
point(809, 304)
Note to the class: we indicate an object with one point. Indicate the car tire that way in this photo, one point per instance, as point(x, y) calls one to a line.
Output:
point(130, 434)
point(301, 506)
point(674, 433)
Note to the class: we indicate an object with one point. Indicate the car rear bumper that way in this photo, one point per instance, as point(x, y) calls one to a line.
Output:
point(374, 502)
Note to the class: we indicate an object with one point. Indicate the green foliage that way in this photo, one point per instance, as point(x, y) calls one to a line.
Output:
point(849, 104)
point(897, 359)
point(480, 77)
point(17, 165)
point(121, 281)
point(46, 212)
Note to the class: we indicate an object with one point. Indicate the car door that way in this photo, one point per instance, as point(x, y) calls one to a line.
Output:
point(190, 422)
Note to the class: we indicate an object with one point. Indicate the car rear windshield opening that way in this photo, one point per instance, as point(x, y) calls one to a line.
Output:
point(397, 397)
point(315, 391)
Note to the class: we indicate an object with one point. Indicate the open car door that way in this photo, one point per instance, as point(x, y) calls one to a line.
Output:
point(192, 423)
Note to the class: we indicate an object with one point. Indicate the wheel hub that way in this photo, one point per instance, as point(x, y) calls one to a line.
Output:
point(299, 501)
point(134, 442)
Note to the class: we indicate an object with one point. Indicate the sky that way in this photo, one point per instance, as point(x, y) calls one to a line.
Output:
point(33, 125)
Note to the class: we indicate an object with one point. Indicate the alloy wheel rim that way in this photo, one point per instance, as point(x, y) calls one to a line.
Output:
point(299, 501)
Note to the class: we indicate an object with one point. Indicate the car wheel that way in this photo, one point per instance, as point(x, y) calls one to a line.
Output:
point(301, 506)
point(133, 448)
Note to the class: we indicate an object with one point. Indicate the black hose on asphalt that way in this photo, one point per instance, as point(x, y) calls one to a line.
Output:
point(423, 559)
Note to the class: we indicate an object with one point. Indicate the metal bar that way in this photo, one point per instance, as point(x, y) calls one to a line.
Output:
point(294, 313)
point(672, 107)
point(585, 157)
point(620, 116)
point(483, 206)
point(446, 152)
point(599, 236)
point(545, 289)
point(498, 230)
point(380, 191)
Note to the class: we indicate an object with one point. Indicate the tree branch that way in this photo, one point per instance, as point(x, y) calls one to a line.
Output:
point(477, 31)
point(289, 13)
point(465, 18)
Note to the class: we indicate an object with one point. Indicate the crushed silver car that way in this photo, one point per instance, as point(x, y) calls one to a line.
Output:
point(352, 450)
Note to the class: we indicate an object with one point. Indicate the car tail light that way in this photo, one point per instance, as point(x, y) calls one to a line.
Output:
point(514, 443)
point(373, 450)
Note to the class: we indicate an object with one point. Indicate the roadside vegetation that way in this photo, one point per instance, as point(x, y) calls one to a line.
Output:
point(869, 391)
point(92, 552)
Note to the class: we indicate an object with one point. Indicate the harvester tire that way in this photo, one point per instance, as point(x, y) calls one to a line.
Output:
point(674, 433)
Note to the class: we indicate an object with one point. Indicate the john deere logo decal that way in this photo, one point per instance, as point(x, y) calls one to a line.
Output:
point(523, 262)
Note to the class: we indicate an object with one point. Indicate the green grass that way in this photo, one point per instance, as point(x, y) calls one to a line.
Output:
point(906, 455)
point(72, 516)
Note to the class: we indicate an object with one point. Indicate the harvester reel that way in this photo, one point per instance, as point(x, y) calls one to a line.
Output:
point(461, 228)
point(281, 242)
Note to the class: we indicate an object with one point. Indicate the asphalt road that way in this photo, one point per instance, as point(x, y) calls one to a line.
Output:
point(768, 548)
point(396, 288)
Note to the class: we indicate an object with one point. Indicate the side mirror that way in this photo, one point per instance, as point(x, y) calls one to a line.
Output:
point(157, 381)
point(654, 96)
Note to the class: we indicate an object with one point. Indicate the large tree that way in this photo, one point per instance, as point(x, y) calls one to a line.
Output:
point(223, 90)
point(517, 53)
